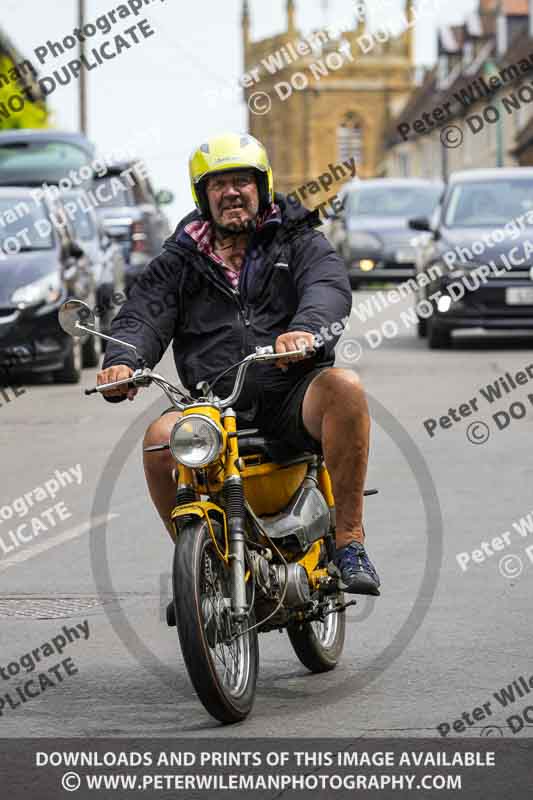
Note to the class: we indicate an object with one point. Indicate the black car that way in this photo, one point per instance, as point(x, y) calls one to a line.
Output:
point(130, 211)
point(478, 260)
point(372, 234)
point(41, 265)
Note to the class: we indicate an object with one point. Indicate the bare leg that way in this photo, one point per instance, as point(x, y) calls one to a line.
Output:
point(158, 468)
point(335, 412)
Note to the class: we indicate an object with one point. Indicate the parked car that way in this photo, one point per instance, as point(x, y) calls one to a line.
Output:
point(34, 157)
point(371, 232)
point(105, 256)
point(41, 265)
point(485, 220)
point(132, 215)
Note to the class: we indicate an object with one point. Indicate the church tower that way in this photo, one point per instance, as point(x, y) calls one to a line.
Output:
point(321, 97)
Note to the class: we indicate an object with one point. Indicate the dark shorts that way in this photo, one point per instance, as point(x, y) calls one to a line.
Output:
point(279, 416)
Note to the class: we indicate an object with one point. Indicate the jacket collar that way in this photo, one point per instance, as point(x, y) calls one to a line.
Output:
point(291, 219)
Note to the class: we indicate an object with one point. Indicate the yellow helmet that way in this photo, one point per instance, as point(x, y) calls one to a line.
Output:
point(225, 152)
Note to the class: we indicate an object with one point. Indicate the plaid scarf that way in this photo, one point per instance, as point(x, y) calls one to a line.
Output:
point(203, 234)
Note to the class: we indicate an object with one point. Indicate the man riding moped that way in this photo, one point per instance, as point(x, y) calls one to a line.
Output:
point(247, 269)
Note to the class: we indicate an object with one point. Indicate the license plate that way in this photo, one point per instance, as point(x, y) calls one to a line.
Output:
point(519, 296)
point(405, 255)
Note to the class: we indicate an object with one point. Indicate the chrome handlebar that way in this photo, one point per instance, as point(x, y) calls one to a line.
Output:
point(144, 377)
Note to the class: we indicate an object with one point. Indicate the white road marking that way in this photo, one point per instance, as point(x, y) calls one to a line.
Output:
point(72, 533)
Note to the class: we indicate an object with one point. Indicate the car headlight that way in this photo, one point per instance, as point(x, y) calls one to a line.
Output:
point(195, 441)
point(45, 290)
point(364, 241)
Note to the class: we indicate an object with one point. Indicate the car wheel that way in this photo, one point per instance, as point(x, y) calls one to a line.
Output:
point(91, 351)
point(439, 337)
point(422, 328)
point(72, 365)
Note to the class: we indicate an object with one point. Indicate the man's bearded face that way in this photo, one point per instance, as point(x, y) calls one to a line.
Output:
point(233, 199)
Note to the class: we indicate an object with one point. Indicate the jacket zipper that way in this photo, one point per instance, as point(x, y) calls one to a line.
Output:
point(236, 296)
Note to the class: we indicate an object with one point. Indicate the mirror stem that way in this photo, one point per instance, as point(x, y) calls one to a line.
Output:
point(104, 336)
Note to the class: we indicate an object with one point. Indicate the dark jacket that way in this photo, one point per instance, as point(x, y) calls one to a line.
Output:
point(292, 280)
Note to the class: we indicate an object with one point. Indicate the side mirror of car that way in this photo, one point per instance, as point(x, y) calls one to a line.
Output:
point(164, 197)
point(420, 224)
point(73, 250)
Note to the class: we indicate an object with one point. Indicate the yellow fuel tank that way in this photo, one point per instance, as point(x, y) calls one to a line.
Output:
point(269, 487)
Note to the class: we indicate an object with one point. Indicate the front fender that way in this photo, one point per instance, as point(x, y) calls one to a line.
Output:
point(202, 508)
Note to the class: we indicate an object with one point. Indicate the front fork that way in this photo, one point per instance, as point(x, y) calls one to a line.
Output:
point(235, 514)
point(234, 504)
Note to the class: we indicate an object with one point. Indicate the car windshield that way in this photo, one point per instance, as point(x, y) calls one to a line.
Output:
point(24, 225)
point(387, 201)
point(31, 163)
point(489, 203)
point(113, 193)
point(82, 222)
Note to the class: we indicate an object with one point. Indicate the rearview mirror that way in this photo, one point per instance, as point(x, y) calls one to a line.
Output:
point(164, 197)
point(76, 318)
point(419, 224)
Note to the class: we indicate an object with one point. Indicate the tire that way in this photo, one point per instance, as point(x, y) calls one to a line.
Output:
point(421, 328)
point(439, 338)
point(317, 648)
point(91, 351)
point(72, 365)
point(194, 550)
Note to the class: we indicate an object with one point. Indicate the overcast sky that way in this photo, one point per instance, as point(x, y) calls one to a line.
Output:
point(180, 80)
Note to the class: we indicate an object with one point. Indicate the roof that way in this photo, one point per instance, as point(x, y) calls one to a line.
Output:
point(493, 173)
point(392, 183)
point(47, 135)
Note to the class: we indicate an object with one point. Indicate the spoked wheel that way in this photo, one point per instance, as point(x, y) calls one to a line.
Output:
point(319, 644)
point(222, 659)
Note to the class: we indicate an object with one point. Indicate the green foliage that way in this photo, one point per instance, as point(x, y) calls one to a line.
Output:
point(31, 115)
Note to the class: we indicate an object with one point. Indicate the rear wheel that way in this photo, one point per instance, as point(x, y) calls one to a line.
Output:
point(72, 365)
point(91, 351)
point(319, 644)
point(438, 336)
point(221, 658)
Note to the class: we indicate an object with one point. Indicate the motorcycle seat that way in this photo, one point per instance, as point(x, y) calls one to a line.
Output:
point(276, 450)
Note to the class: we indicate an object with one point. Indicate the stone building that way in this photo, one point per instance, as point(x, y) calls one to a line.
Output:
point(475, 107)
point(332, 95)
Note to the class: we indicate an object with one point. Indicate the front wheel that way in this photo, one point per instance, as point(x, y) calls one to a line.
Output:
point(222, 659)
point(319, 645)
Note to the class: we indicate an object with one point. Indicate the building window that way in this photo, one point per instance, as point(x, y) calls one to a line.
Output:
point(350, 139)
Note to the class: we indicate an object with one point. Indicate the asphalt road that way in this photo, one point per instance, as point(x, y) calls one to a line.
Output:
point(438, 642)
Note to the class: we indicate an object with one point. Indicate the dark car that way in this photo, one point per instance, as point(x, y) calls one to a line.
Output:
point(478, 259)
point(41, 265)
point(372, 234)
point(131, 213)
point(105, 257)
point(34, 157)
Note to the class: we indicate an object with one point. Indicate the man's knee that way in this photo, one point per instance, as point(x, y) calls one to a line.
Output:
point(340, 384)
point(158, 432)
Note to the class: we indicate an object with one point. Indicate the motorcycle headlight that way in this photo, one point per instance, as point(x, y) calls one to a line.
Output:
point(195, 441)
point(364, 241)
point(47, 290)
